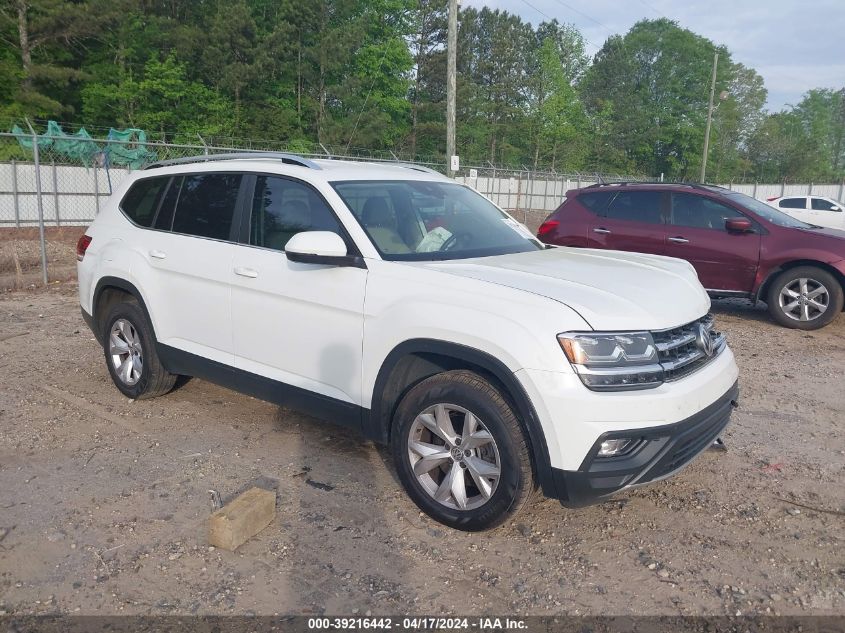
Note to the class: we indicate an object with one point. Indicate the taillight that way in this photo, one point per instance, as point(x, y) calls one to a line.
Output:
point(547, 227)
point(82, 246)
point(772, 199)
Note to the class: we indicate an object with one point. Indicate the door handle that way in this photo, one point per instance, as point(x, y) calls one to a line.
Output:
point(601, 230)
point(246, 272)
point(679, 240)
point(158, 254)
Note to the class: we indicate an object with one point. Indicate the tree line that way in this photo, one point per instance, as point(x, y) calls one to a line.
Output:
point(372, 74)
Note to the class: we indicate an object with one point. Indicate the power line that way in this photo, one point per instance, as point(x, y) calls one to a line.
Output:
point(648, 6)
point(548, 17)
point(590, 18)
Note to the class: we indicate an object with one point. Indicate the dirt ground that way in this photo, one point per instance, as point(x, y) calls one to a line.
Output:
point(20, 256)
point(104, 501)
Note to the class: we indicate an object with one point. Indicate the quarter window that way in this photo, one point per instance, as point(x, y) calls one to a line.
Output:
point(141, 201)
point(793, 203)
point(595, 202)
point(206, 205)
point(282, 208)
point(700, 212)
point(638, 206)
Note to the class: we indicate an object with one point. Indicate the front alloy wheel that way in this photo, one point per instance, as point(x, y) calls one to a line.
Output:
point(461, 452)
point(454, 456)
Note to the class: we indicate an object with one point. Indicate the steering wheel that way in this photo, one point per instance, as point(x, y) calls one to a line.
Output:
point(459, 236)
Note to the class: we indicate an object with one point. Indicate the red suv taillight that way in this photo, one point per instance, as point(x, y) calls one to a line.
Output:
point(547, 227)
point(82, 246)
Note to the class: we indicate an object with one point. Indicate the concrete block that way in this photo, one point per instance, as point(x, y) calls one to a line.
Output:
point(241, 519)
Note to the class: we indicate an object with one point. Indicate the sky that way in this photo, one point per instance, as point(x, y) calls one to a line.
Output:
point(795, 45)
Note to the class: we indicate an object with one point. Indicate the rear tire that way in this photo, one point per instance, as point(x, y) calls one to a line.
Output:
point(131, 358)
point(460, 452)
point(805, 298)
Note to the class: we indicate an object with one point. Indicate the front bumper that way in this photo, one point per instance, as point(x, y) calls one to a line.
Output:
point(661, 452)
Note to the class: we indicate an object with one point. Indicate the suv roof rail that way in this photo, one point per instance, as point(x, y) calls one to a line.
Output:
point(427, 170)
point(289, 159)
point(693, 185)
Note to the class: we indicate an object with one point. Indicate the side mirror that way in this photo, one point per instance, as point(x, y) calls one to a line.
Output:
point(320, 247)
point(836, 208)
point(738, 225)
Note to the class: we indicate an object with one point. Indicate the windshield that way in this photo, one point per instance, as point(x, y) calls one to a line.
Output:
point(413, 220)
point(766, 212)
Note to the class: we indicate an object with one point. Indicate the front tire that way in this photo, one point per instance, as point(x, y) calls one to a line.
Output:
point(805, 298)
point(460, 452)
point(131, 358)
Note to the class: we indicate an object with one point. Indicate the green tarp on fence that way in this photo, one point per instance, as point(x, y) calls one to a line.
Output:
point(127, 147)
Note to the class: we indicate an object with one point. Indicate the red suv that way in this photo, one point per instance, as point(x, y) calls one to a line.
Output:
point(739, 246)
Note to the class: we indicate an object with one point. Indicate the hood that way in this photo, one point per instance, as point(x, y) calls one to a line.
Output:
point(611, 290)
point(834, 239)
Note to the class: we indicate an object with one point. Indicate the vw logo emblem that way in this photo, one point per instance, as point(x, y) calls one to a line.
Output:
point(704, 340)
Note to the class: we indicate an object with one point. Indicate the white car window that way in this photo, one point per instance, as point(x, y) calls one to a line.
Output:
point(793, 203)
point(823, 204)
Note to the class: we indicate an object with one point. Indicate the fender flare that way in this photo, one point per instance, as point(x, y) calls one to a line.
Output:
point(126, 286)
point(379, 421)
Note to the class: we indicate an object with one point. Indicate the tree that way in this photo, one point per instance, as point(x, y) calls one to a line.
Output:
point(736, 119)
point(428, 88)
point(656, 79)
point(560, 120)
point(46, 37)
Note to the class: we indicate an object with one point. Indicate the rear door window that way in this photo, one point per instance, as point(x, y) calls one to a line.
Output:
point(141, 201)
point(206, 205)
point(793, 203)
point(637, 206)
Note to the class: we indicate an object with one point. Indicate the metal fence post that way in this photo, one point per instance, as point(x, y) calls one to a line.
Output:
point(15, 194)
point(546, 192)
point(810, 189)
point(782, 187)
point(754, 193)
point(55, 192)
point(841, 191)
point(96, 190)
point(36, 156)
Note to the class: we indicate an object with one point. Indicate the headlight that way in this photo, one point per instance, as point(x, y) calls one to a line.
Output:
point(613, 361)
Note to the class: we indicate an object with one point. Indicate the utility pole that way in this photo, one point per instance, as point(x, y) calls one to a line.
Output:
point(451, 86)
point(709, 118)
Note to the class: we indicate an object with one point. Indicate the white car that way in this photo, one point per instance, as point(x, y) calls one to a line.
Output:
point(816, 210)
point(395, 301)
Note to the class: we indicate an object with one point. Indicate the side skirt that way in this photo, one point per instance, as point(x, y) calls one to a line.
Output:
point(302, 400)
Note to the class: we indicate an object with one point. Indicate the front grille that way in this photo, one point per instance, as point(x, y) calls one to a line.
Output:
point(684, 350)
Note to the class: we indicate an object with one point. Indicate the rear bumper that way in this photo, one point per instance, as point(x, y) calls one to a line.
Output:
point(661, 452)
point(89, 321)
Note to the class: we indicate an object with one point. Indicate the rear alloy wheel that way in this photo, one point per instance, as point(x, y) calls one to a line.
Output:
point(806, 298)
point(129, 347)
point(460, 451)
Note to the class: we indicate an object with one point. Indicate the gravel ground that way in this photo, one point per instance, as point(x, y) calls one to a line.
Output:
point(104, 501)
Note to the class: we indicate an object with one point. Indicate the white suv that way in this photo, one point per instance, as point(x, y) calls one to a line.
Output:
point(391, 299)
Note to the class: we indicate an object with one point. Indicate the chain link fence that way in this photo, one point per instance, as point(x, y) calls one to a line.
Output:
point(48, 197)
